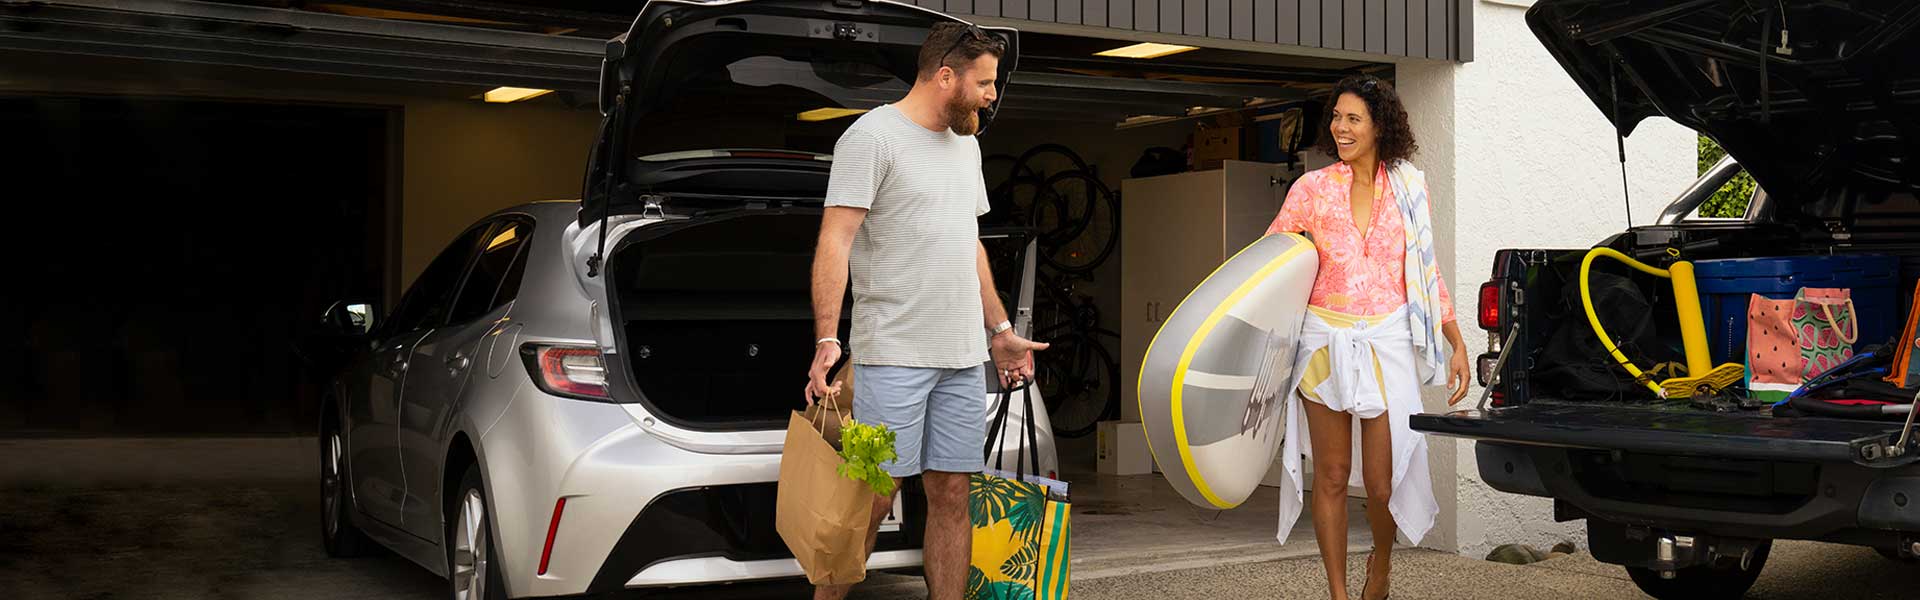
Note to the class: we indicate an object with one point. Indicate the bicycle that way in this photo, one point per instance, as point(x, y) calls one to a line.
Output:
point(1078, 376)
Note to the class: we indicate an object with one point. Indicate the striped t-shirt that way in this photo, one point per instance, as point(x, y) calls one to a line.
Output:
point(916, 284)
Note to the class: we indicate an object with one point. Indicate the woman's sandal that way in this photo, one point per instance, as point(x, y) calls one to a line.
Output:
point(1366, 583)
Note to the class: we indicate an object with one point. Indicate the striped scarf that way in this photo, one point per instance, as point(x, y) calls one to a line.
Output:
point(1423, 272)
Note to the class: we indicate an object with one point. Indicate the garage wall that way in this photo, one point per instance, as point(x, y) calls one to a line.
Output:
point(1517, 156)
point(465, 159)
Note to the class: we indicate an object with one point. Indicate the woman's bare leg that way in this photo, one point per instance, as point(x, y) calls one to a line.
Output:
point(1376, 457)
point(1332, 435)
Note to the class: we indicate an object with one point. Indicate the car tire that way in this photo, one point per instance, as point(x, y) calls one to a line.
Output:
point(337, 532)
point(1894, 555)
point(1703, 582)
point(473, 568)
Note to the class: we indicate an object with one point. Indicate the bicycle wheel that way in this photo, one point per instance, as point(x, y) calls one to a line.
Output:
point(1087, 386)
point(1001, 168)
point(1083, 206)
point(1046, 159)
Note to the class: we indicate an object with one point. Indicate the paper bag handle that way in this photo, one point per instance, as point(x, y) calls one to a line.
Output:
point(830, 402)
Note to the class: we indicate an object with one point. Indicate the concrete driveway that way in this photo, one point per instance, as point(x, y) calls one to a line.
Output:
point(240, 518)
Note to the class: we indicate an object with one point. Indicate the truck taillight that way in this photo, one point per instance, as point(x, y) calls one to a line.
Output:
point(1485, 368)
point(1490, 306)
point(572, 371)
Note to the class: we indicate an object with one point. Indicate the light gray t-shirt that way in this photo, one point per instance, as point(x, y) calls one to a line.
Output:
point(914, 263)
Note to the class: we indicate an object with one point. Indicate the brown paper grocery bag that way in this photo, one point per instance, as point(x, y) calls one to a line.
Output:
point(823, 517)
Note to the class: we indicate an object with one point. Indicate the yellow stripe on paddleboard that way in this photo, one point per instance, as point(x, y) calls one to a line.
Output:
point(1140, 379)
point(1193, 347)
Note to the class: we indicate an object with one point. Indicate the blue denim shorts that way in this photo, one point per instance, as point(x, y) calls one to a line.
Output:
point(938, 416)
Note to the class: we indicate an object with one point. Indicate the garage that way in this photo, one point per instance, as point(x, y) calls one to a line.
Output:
point(266, 160)
point(197, 235)
point(1092, 96)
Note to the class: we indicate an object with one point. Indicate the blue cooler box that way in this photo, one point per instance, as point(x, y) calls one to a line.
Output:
point(1725, 286)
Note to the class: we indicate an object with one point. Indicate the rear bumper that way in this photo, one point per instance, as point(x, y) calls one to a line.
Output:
point(717, 534)
point(1838, 502)
point(1651, 471)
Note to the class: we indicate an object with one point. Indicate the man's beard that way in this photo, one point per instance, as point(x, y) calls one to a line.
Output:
point(962, 116)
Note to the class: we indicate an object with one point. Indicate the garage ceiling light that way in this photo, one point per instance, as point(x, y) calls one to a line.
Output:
point(1145, 50)
point(501, 95)
point(828, 114)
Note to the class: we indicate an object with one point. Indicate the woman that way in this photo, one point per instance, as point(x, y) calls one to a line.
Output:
point(1372, 336)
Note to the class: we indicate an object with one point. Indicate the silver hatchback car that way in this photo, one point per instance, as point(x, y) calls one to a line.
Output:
point(533, 420)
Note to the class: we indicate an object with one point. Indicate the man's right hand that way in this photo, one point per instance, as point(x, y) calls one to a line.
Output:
point(825, 355)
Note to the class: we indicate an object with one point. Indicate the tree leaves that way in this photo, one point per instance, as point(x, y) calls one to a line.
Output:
point(1730, 201)
point(864, 448)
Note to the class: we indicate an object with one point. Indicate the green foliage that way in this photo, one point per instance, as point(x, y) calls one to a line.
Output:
point(864, 448)
point(1731, 200)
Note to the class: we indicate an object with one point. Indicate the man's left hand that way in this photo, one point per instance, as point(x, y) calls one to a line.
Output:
point(1013, 358)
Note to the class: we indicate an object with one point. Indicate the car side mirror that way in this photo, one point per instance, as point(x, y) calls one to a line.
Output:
point(349, 318)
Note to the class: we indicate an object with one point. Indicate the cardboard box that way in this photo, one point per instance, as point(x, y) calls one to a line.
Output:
point(1214, 146)
point(1123, 449)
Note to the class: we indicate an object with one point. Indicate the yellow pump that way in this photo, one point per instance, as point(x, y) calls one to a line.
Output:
point(1703, 379)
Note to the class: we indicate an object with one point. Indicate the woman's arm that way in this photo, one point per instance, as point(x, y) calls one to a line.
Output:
point(1296, 212)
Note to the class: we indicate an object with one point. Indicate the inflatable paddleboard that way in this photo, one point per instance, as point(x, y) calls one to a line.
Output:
point(1213, 385)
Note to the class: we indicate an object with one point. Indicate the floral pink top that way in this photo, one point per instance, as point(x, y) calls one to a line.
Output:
point(1357, 277)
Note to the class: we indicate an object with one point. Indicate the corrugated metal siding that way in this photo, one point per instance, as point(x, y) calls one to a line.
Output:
point(1440, 29)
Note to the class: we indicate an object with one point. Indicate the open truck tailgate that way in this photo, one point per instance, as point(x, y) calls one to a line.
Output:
point(1676, 431)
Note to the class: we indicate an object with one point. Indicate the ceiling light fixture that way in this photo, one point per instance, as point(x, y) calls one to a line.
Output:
point(1145, 50)
point(828, 114)
point(502, 95)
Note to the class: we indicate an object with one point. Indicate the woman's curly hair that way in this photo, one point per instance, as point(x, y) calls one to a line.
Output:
point(1389, 118)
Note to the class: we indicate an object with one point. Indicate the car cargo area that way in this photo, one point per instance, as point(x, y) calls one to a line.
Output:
point(716, 315)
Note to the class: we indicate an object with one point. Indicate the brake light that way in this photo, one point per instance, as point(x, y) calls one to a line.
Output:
point(1490, 306)
point(574, 371)
point(552, 528)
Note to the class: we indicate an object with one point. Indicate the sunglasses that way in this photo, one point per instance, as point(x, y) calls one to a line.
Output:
point(974, 32)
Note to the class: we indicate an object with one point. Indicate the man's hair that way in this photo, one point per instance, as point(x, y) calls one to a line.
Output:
point(956, 45)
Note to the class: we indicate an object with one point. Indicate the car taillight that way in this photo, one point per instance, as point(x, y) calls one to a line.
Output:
point(1490, 306)
point(574, 371)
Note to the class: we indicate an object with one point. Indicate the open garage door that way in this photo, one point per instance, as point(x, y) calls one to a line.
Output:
point(164, 258)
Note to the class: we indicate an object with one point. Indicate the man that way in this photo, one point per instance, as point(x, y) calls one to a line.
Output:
point(902, 204)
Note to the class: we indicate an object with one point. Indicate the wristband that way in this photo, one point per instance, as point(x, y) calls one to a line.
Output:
point(834, 341)
point(1002, 327)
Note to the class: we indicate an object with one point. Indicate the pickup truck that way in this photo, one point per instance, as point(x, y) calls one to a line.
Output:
point(1820, 103)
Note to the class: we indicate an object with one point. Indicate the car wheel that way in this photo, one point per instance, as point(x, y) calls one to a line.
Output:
point(1703, 582)
point(337, 530)
point(474, 572)
point(1894, 555)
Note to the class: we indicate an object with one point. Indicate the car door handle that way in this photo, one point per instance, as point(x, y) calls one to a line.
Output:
point(458, 362)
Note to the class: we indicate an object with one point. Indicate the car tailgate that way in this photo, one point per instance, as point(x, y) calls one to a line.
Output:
point(1671, 430)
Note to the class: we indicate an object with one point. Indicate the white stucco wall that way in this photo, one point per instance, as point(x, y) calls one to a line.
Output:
point(1517, 156)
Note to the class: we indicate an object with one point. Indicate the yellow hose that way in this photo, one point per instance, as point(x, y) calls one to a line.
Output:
point(1586, 301)
point(1702, 377)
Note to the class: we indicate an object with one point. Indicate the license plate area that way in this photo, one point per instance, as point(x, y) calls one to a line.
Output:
point(896, 517)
